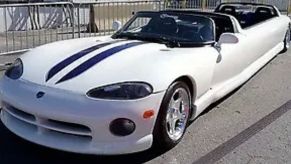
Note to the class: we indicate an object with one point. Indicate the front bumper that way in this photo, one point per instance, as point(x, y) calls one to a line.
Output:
point(73, 122)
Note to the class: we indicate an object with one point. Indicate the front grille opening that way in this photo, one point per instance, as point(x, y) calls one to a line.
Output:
point(19, 113)
point(20, 123)
point(69, 136)
point(70, 126)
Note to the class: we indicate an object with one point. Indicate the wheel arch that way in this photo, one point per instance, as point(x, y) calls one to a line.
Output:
point(190, 83)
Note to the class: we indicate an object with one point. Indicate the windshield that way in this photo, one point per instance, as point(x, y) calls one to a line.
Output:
point(169, 27)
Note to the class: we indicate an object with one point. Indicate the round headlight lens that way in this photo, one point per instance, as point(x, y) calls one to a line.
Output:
point(15, 71)
point(122, 91)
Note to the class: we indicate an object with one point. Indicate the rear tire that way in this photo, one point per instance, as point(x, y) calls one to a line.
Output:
point(286, 41)
point(172, 120)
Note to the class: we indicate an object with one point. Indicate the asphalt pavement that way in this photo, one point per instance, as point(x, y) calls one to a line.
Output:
point(252, 125)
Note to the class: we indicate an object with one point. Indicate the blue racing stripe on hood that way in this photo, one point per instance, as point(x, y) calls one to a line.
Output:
point(60, 66)
point(96, 59)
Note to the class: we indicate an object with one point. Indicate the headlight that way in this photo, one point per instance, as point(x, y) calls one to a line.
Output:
point(122, 91)
point(15, 70)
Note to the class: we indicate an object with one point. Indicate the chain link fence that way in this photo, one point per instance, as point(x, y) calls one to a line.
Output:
point(25, 26)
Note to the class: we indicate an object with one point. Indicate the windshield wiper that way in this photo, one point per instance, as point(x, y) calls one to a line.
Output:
point(171, 43)
point(125, 35)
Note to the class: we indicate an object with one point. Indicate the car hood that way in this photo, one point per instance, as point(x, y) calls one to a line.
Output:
point(82, 64)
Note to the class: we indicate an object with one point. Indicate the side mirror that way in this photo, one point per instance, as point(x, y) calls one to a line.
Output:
point(225, 38)
point(228, 38)
point(116, 25)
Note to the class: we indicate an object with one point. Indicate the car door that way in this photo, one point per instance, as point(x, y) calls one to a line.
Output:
point(234, 56)
point(264, 36)
point(253, 43)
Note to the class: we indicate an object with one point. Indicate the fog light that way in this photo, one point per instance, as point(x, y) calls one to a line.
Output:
point(122, 127)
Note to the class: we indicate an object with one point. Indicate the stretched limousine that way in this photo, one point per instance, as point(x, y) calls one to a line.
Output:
point(141, 86)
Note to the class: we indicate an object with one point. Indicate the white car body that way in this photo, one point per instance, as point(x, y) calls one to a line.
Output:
point(213, 74)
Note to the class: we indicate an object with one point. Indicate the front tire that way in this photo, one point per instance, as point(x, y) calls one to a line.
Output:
point(173, 116)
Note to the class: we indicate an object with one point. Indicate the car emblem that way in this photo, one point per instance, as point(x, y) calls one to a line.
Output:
point(40, 95)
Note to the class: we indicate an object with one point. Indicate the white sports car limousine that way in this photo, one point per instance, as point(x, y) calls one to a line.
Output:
point(141, 86)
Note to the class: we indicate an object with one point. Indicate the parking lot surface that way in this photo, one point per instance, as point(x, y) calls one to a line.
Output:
point(251, 125)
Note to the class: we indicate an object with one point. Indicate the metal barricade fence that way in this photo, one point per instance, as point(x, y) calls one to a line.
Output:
point(95, 18)
point(24, 26)
point(205, 5)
